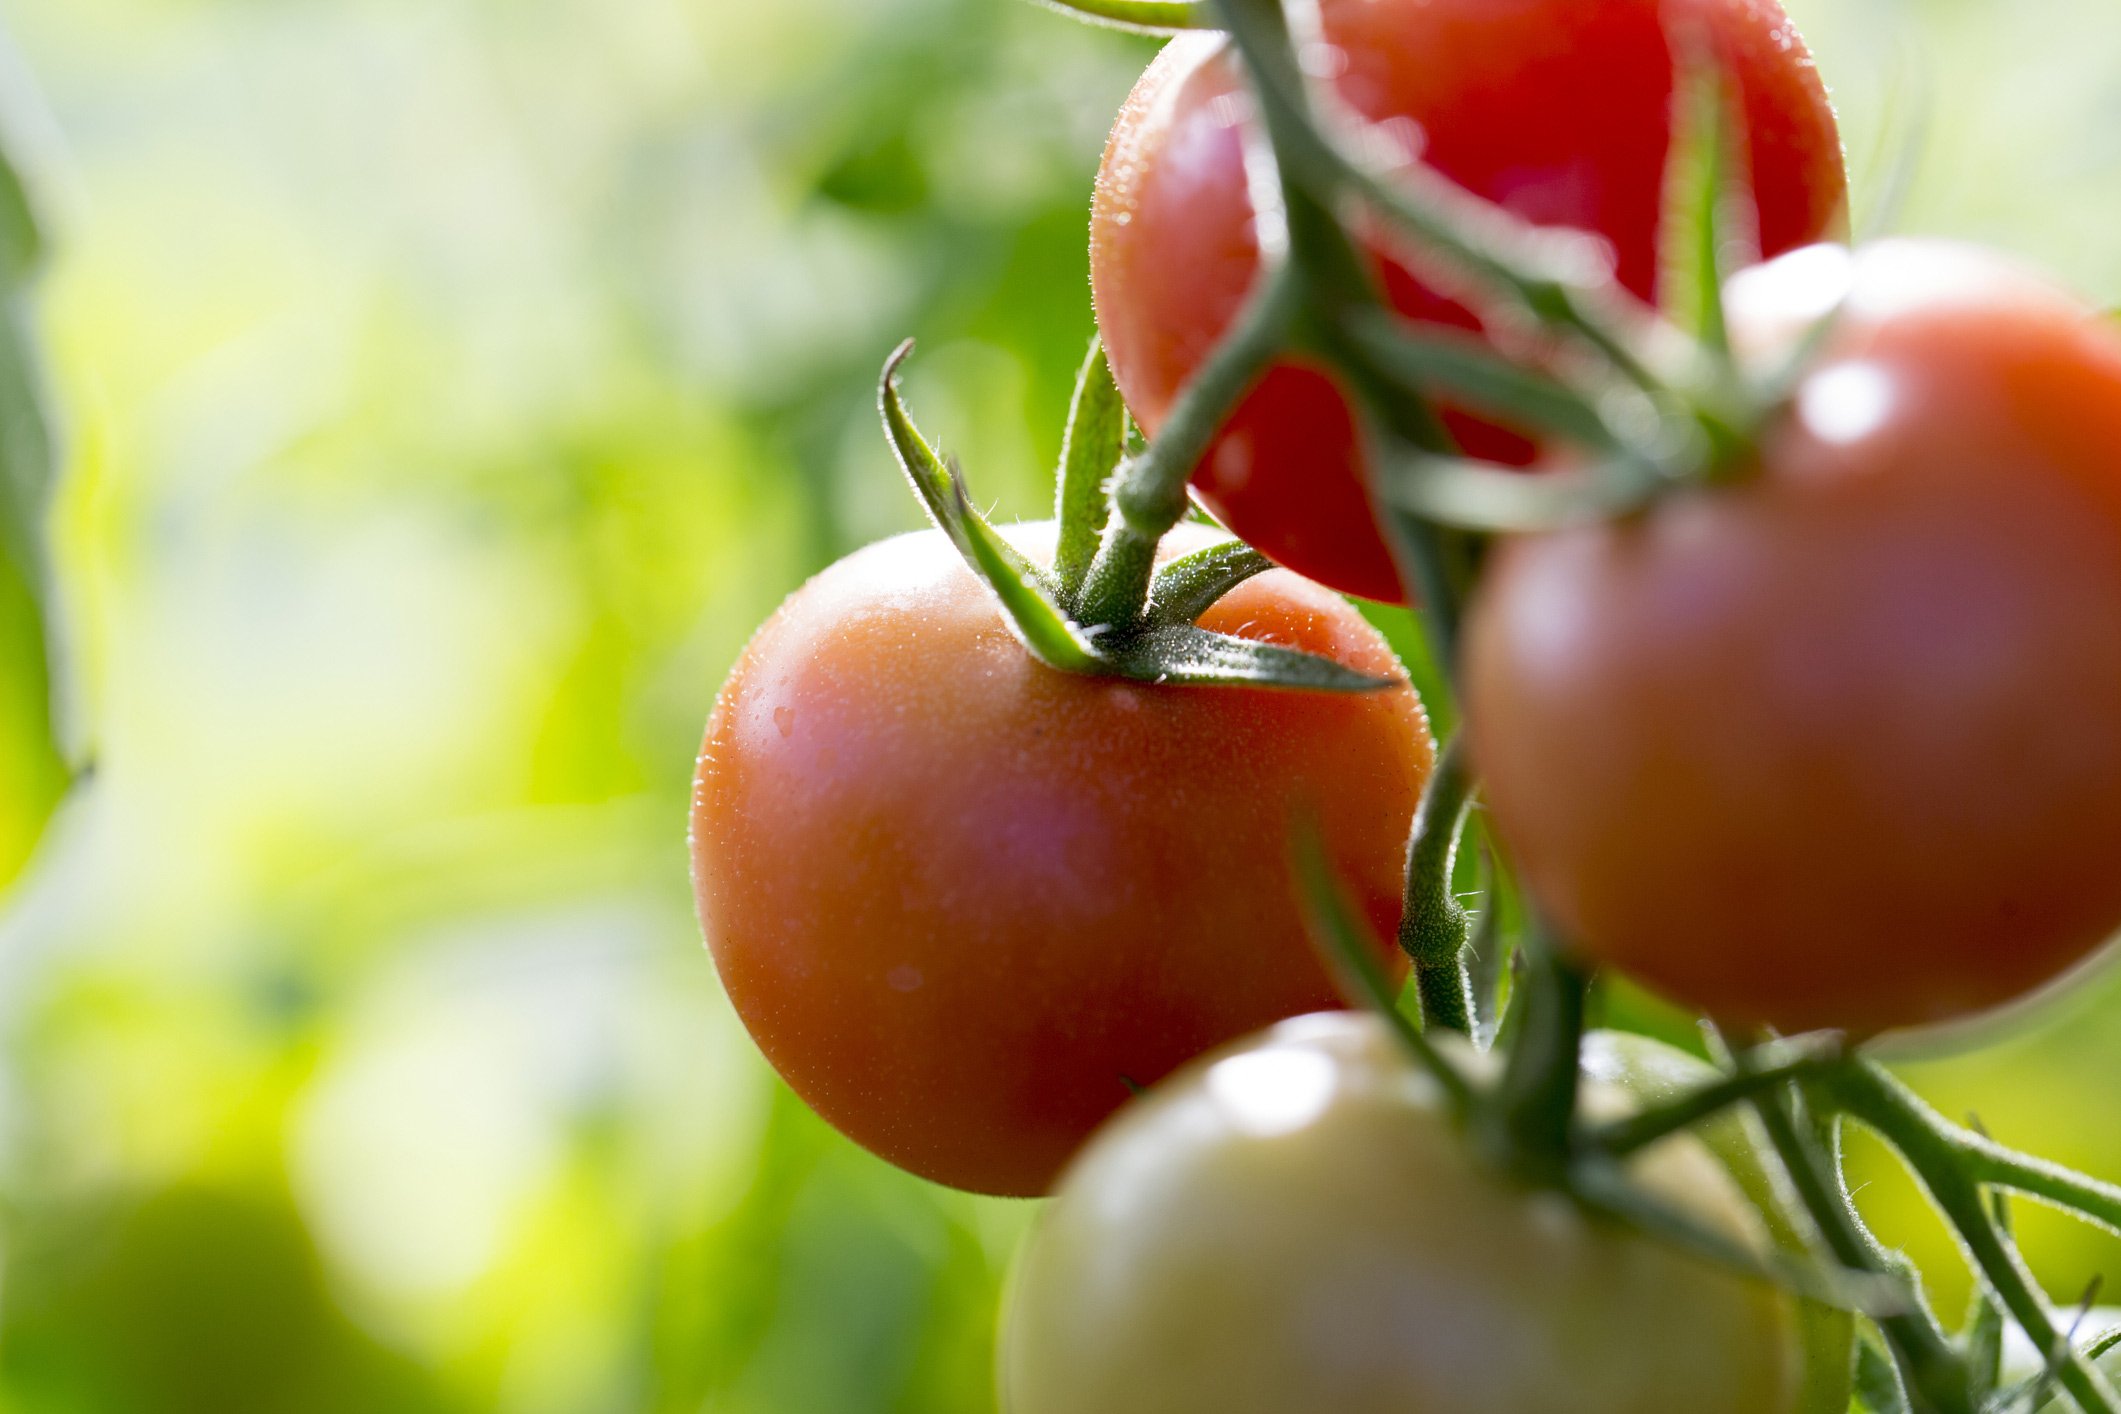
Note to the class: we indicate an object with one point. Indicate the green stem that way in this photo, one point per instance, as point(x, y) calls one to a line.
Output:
point(1638, 1131)
point(2088, 1198)
point(1140, 16)
point(1352, 949)
point(1536, 1101)
point(1936, 1153)
point(1432, 923)
point(1551, 275)
point(1936, 1376)
point(1149, 496)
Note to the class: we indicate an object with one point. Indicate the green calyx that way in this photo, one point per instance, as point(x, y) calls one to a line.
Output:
point(1157, 638)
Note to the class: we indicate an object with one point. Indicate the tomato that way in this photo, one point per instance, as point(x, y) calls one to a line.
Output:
point(1652, 1073)
point(1557, 109)
point(963, 901)
point(1839, 745)
point(1297, 1224)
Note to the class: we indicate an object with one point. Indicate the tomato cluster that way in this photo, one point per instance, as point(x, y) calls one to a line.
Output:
point(1822, 734)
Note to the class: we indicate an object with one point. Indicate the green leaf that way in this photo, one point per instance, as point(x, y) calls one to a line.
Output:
point(1709, 228)
point(1028, 605)
point(1470, 495)
point(1464, 368)
point(1138, 16)
point(1183, 655)
point(1193, 583)
point(1095, 444)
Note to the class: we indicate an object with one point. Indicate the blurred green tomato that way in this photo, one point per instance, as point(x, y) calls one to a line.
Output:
point(1650, 1072)
point(1295, 1224)
point(190, 1300)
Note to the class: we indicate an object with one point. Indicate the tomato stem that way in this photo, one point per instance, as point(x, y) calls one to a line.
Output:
point(1350, 948)
point(1991, 1163)
point(1936, 1375)
point(1536, 1101)
point(1433, 925)
point(1561, 278)
point(1638, 1131)
point(1149, 494)
point(1937, 1153)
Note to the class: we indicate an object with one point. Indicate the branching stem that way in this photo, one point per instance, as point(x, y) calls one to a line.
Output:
point(1938, 1154)
point(1936, 1376)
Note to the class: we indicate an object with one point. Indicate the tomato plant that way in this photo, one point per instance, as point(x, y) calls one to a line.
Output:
point(1834, 744)
point(1298, 1223)
point(1792, 681)
point(1559, 110)
point(963, 901)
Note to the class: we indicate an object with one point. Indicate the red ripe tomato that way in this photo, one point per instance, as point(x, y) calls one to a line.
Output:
point(1296, 1224)
point(1557, 109)
point(1839, 745)
point(962, 900)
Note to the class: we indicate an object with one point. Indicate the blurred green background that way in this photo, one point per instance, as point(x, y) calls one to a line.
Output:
point(447, 387)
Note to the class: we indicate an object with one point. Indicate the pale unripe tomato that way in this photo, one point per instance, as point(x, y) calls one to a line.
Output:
point(1653, 1073)
point(1296, 1225)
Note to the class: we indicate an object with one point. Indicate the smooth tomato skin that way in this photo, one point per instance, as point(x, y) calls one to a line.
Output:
point(1840, 745)
point(1557, 109)
point(1295, 1224)
point(960, 899)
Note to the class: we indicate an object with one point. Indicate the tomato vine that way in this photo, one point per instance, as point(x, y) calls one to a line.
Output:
point(1662, 404)
point(1658, 404)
